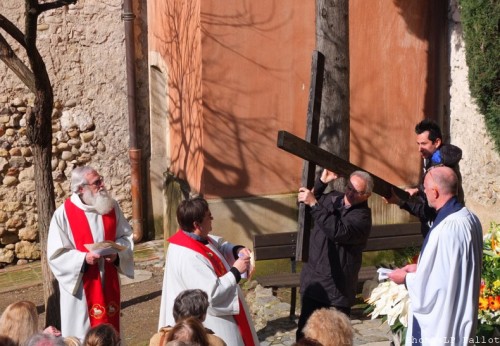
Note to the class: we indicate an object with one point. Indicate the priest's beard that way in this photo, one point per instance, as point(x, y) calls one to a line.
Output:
point(101, 201)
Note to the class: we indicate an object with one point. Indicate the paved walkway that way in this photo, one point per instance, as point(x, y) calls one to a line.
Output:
point(271, 316)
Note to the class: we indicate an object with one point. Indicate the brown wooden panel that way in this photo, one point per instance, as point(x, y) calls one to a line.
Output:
point(274, 252)
point(261, 240)
point(412, 228)
point(399, 242)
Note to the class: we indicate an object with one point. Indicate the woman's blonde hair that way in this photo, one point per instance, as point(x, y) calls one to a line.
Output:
point(19, 321)
point(329, 327)
point(72, 341)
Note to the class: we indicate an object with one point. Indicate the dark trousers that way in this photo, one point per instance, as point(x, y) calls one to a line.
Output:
point(308, 307)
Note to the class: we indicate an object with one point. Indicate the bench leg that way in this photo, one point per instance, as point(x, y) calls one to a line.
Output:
point(293, 299)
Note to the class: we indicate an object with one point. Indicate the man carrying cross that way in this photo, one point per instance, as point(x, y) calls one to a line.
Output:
point(342, 224)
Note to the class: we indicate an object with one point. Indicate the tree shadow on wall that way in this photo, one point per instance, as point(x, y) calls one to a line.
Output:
point(212, 129)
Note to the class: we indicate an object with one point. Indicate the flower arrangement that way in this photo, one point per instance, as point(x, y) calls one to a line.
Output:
point(489, 294)
point(391, 301)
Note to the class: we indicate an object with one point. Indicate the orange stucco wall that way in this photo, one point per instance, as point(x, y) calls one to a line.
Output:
point(175, 35)
point(240, 71)
point(256, 75)
point(393, 86)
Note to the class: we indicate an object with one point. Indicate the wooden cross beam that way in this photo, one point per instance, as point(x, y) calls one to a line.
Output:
point(323, 158)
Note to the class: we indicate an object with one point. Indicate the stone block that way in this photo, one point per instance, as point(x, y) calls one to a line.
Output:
point(28, 234)
point(6, 256)
point(9, 180)
point(26, 151)
point(67, 155)
point(3, 164)
point(16, 151)
point(27, 250)
point(14, 222)
point(11, 206)
point(17, 161)
point(26, 186)
point(27, 174)
point(87, 136)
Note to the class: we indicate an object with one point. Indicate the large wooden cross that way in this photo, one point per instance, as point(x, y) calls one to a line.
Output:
point(325, 159)
point(314, 155)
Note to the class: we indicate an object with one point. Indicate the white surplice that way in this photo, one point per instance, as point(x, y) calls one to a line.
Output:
point(66, 263)
point(188, 269)
point(444, 291)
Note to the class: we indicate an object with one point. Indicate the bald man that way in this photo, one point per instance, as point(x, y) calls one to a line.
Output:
point(444, 284)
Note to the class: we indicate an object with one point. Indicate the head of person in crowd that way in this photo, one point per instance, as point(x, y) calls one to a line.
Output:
point(6, 341)
point(429, 137)
point(440, 184)
point(189, 330)
point(329, 327)
point(102, 335)
point(44, 339)
point(19, 321)
point(194, 216)
point(89, 185)
point(359, 188)
point(72, 341)
point(179, 343)
point(191, 303)
point(307, 342)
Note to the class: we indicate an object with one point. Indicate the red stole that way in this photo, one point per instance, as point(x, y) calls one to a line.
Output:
point(182, 239)
point(103, 303)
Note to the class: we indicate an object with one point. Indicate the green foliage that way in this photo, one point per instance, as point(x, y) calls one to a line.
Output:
point(489, 298)
point(390, 258)
point(480, 20)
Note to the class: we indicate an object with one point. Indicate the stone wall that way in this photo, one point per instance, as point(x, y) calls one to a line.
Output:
point(84, 50)
point(480, 165)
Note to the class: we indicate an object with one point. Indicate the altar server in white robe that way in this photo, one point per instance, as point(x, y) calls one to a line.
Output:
point(88, 282)
point(197, 260)
point(444, 285)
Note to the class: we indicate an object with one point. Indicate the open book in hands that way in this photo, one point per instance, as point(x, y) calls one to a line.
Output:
point(104, 248)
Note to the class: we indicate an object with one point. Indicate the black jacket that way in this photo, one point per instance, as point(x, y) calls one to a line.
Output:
point(336, 243)
point(447, 155)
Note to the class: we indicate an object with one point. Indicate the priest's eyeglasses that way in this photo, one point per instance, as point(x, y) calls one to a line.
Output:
point(97, 183)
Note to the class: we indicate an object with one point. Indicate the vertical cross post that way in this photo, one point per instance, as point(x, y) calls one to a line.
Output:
point(309, 168)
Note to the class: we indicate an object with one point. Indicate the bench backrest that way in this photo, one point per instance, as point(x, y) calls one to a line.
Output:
point(275, 245)
point(382, 237)
point(396, 236)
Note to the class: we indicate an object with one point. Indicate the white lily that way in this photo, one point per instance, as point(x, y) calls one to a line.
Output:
point(392, 300)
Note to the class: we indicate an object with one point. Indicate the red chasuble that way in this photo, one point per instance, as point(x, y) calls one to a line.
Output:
point(182, 239)
point(103, 303)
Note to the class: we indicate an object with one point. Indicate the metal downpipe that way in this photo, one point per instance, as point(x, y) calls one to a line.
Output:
point(134, 153)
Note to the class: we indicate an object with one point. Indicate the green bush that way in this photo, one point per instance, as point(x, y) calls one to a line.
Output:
point(481, 25)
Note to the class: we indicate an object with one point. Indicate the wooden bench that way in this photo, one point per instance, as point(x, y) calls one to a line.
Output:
point(283, 245)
